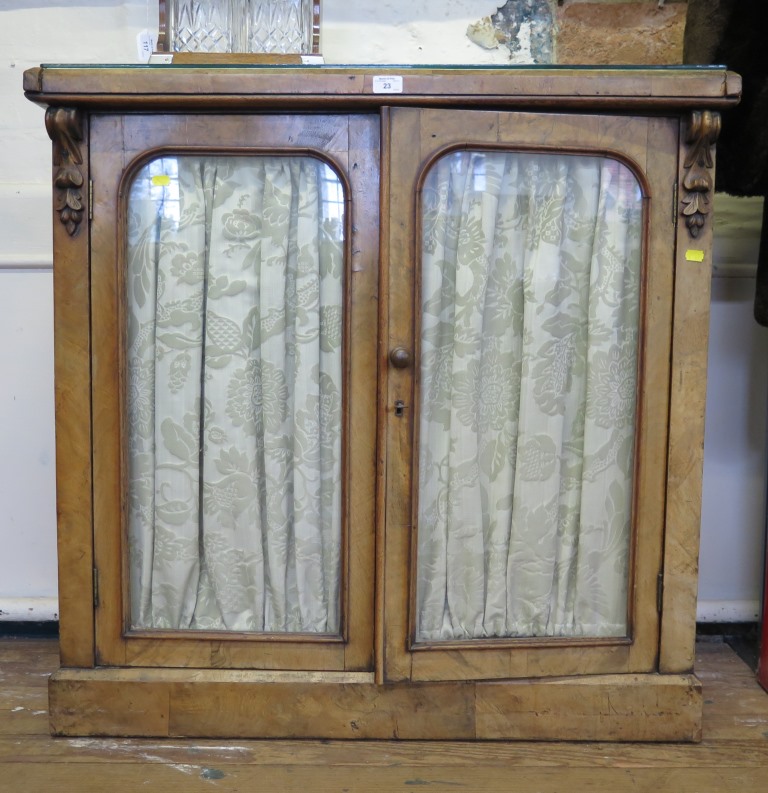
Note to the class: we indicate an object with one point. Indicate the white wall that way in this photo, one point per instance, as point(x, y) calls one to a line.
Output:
point(364, 31)
point(731, 560)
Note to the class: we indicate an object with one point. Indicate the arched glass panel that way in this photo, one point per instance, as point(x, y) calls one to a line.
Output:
point(530, 288)
point(234, 304)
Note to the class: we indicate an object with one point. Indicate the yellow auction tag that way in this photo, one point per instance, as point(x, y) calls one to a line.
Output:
point(694, 256)
point(161, 180)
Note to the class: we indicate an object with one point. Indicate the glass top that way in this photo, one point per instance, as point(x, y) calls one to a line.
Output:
point(386, 67)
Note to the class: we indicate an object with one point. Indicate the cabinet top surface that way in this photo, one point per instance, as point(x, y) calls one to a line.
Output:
point(159, 86)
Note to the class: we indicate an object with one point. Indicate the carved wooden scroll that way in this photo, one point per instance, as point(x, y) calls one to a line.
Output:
point(65, 129)
point(698, 181)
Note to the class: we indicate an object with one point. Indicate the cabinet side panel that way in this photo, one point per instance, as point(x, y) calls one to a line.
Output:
point(72, 354)
point(690, 328)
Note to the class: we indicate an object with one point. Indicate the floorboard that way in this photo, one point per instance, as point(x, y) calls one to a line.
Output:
point(733, 755)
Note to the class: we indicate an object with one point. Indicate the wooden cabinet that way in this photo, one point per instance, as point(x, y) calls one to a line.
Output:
point(380, 414)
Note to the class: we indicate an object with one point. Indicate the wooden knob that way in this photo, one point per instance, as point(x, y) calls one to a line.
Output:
point(400, 358)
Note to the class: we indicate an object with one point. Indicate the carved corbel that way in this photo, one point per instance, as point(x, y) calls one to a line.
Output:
point(65, 129)
point(698, 181)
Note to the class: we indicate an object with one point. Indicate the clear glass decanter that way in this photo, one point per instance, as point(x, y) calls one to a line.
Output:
point(203, 25)
point(279, 26)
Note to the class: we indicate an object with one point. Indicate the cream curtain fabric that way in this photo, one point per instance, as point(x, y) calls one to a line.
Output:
point(234, 314)
point(530, 290)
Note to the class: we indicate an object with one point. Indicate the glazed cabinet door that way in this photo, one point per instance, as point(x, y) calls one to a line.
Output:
point(529, 270)
point(233, 282)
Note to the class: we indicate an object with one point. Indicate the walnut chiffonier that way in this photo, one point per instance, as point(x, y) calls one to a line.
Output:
point(380, 398)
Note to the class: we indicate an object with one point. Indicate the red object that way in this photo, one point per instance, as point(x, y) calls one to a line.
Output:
point(762, 666)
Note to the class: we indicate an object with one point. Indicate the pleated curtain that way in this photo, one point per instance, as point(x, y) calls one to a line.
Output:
point(530, 283)
point(234, 394)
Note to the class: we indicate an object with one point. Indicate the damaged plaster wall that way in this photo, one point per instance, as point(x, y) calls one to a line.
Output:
point(596, 32)
point(524, 28)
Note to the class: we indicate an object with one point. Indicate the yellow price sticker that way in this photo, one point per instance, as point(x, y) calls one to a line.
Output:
point(161, 180)
point(692, 255)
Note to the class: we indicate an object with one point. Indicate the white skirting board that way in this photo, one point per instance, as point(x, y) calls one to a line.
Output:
point(47, 609)
point(29, 609)
point(728, 611)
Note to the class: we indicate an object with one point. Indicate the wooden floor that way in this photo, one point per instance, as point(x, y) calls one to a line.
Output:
point(732, 757)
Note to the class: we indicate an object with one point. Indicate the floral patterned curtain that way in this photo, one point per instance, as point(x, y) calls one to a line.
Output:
point(529, 335)
point(234, 332)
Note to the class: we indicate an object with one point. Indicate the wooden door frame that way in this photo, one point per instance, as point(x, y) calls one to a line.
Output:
point(118, 144)
point(624, 138)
